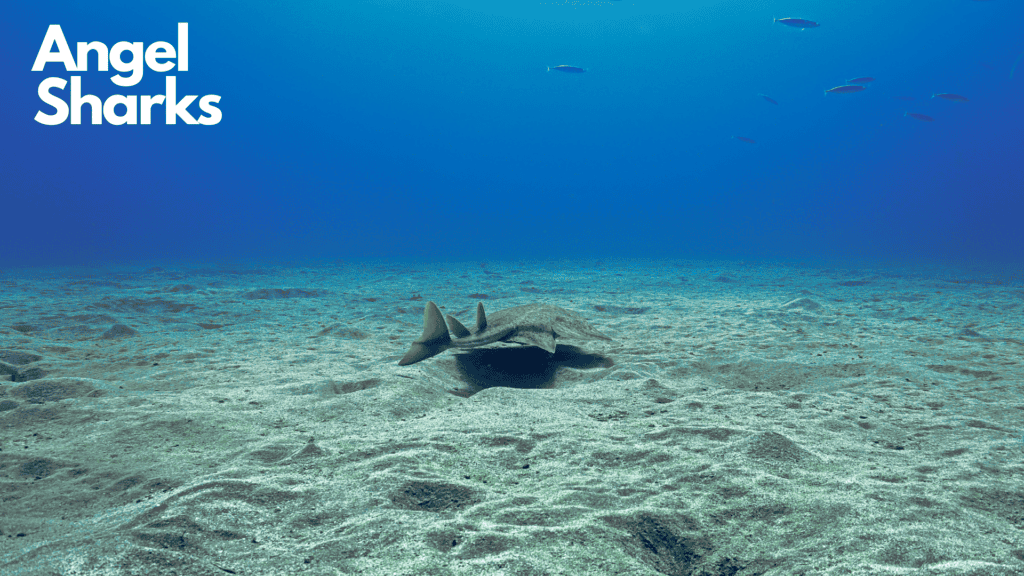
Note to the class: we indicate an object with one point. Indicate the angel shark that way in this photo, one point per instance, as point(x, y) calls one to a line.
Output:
point(531, 325)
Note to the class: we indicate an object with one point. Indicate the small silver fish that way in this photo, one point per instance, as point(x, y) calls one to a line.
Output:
point(567, 68)
point(847, 89)
point(953, 97)
point(796, 22)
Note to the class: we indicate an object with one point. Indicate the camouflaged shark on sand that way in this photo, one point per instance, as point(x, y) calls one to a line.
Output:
point(537, 325)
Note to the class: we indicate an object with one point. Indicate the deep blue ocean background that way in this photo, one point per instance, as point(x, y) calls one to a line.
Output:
point(433, 130)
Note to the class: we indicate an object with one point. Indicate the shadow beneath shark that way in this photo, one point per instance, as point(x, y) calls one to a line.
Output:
point(524, 367)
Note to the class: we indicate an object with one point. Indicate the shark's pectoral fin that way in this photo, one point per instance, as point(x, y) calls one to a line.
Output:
point(544, 340)
point(435, 338)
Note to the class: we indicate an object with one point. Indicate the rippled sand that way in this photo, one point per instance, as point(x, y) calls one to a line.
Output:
point(747, 419)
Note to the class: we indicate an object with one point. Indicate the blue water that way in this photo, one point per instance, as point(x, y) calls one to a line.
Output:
point(433, 130)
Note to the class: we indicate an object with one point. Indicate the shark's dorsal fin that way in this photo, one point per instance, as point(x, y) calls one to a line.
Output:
point(481, 318)
point(458, 330)
point(435, 338)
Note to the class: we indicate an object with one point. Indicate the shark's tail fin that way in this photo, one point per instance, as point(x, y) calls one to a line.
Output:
point(435, 338)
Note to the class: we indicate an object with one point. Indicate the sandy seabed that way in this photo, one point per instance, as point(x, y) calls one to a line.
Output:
point(746, 419)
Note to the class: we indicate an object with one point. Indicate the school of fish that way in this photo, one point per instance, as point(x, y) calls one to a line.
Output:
point(853, 85)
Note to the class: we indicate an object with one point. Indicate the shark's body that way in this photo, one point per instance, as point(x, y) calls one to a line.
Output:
point(531, 325)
